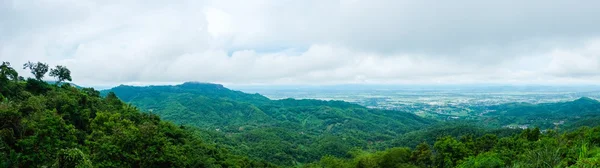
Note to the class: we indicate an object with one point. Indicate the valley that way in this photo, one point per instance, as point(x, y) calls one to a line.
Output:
point(451, 102)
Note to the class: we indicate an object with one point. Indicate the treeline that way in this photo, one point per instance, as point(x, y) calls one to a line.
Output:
point(57, 125)
point(530, 148)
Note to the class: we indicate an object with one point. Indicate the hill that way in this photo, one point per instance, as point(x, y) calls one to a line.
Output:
point(285, 132)
point(45, 125)
point(544, 115)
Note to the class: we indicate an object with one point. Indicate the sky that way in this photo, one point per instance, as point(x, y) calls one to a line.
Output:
point(312, 42)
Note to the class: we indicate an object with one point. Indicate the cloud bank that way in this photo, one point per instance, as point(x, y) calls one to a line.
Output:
point(307, 42)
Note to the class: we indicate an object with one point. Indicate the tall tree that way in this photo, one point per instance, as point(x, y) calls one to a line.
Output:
point(449, 152)
point(422, 155)
point(61, 73)
point(37, 69)
point(7, 72)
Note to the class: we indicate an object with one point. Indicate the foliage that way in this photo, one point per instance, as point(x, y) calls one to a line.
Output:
point(38, 69)
point(292, 132)
point(73, 158)
point(47, 125)
point(571, 149)
point(8, 76)
point(485, 160)
point(61, 73)
point(454, 129)
point(286, 132)
point(572, 114)
point(7, 72)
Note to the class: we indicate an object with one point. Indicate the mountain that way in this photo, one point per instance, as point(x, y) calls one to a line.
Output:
point(129, 93)
point(288, 127)
point(45, 125)
point(198, 104)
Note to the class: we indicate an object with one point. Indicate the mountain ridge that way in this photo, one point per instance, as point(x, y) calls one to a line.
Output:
point(251, 119)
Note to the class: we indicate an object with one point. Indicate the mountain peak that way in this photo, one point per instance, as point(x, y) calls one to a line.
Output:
point(198, 83)
point(202, 85)
point(586, 100)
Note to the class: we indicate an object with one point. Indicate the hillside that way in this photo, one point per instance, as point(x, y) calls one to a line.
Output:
point(544, 115)
point(45, 125)
point(261, 127)
point(313, 133)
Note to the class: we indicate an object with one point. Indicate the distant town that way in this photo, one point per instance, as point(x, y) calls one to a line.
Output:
point(444, 103)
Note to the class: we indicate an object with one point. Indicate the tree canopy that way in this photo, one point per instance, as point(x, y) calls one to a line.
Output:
point(45, 125)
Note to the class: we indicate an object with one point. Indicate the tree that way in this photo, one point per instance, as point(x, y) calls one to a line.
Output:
point(37, 69)
point(61, 73)
point(395, 157)
point(73, 158)
point(449, 152)
point(422, 155)
point(485, 143)
point(485, 160)
point(531, 134)
point(534, 135)
point(7, 72)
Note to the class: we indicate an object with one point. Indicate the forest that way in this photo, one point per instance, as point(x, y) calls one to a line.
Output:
point(56, 124)
point(285, 132)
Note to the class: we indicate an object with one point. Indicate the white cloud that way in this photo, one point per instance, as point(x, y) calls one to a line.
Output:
point(299, 42)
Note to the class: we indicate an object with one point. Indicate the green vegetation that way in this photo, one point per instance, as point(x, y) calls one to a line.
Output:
point(38, 69)
point(292, 132)
point(61, 73)
point(545, 115)
point(431, 134)
point(530, 148)
point(47, 125)
point(59, 125)
point(284, 132)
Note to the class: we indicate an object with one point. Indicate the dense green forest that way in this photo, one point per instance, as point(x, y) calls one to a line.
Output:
point(285, 132)
point(292, 132)
point(55, 124)
point(530, 148)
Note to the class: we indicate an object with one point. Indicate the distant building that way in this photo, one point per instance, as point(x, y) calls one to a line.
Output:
point(559, 123)
point(525, 126)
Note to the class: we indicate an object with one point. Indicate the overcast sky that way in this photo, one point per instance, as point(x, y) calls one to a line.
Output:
point(113, 42)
